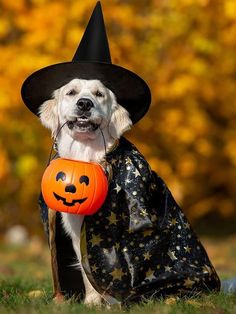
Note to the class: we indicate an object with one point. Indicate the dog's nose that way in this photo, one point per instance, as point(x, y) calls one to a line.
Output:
point(70, 188)
point(84, 104)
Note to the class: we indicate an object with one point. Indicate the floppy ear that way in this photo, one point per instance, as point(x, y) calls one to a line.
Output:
point(120, 121)
point(48, 114)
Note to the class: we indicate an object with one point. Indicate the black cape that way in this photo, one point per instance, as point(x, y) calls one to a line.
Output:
point(139, 244)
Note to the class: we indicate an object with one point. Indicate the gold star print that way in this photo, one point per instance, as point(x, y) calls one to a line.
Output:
point(127, 181)
point(136, 173)
point(196, 279)
point(187, 225)
point(117, 273)
point(112, 219)
point(168, 268)
point(143, 212)
point(147, 256)
point(95, 240)
point(117, 188)
point(128, 161)
point(94, 268)
point(206, 269)
point(150, 274)
point(147, 232)
point(123, 216)
point(173, 222)
point(153, 186)
point(113, 161)
point(188, 283)
point(172, 255)
point(187, 249)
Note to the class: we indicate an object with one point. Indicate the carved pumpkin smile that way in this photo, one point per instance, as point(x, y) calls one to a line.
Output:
point(63, 199)
point(75, 187)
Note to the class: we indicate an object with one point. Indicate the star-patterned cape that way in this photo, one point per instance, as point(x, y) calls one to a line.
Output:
point(140, 244)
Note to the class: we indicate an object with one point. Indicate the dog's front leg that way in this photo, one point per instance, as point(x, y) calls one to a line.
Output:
point(92, 297)
point(72, 225)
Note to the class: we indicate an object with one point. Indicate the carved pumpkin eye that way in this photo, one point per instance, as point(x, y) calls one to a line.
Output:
point(61, 176)
point(84, 179)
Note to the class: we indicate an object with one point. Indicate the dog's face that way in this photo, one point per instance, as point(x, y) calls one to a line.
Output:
point(86, 106)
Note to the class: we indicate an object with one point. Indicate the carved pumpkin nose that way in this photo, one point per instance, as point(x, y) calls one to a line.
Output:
point(70, 188)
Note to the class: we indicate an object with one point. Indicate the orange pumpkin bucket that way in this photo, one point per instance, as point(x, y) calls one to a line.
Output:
point(75, 187)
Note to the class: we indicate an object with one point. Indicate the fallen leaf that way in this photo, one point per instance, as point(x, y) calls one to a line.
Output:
point(170, 301)
point(36, 293)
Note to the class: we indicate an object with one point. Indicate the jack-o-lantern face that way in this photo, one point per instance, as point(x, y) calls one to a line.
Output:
point(75, 187)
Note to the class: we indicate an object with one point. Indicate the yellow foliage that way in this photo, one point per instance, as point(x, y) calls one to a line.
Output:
point(26, 165)
point(4, 27)
point(230, 8)
point(4, 164)
point(184, 49)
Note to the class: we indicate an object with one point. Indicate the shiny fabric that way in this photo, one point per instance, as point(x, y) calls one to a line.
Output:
point(140, 243)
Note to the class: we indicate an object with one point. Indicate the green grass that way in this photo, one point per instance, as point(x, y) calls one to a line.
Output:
point(26, 271)
point(14, 298)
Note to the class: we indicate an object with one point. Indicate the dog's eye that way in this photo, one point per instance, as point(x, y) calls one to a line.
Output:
point(98, 94)
point(72, 92)
point(61, 176)
point(84, 179)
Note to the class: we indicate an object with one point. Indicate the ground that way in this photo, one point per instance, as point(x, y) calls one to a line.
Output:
point(25, 283)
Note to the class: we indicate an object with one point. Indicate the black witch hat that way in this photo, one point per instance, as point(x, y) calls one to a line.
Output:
point(92, 60)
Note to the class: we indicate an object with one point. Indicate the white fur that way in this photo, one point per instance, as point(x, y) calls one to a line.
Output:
point(113, 121)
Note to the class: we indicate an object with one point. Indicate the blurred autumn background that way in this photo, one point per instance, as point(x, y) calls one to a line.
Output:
point(184, 49)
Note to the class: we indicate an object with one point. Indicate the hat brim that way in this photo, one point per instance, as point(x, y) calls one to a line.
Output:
point(131, 91)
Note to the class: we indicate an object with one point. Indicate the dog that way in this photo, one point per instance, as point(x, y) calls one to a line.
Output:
point(87, 107)
point(84, 116)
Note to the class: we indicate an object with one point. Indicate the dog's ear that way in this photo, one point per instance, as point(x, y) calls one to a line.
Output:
point(120, 121)
point(48, 114)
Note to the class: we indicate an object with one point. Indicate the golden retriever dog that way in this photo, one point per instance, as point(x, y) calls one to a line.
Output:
point(92, 116)
point(139, 245)
point(86, 122)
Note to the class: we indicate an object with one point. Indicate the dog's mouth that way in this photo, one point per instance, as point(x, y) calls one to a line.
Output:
point(82, 124)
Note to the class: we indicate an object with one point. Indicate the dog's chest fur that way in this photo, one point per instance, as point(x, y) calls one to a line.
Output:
point(87, 150)
point(84, 150)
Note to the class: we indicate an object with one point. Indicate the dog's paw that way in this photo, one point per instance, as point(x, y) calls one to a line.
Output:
point(93, 299)
point(112, 303)
point(58, 298)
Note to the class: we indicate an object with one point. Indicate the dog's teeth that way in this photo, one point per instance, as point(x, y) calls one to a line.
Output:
point(82, 119)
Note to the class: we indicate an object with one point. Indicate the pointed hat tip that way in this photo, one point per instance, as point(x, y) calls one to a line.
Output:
point(98, 5)
point(94, 46)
